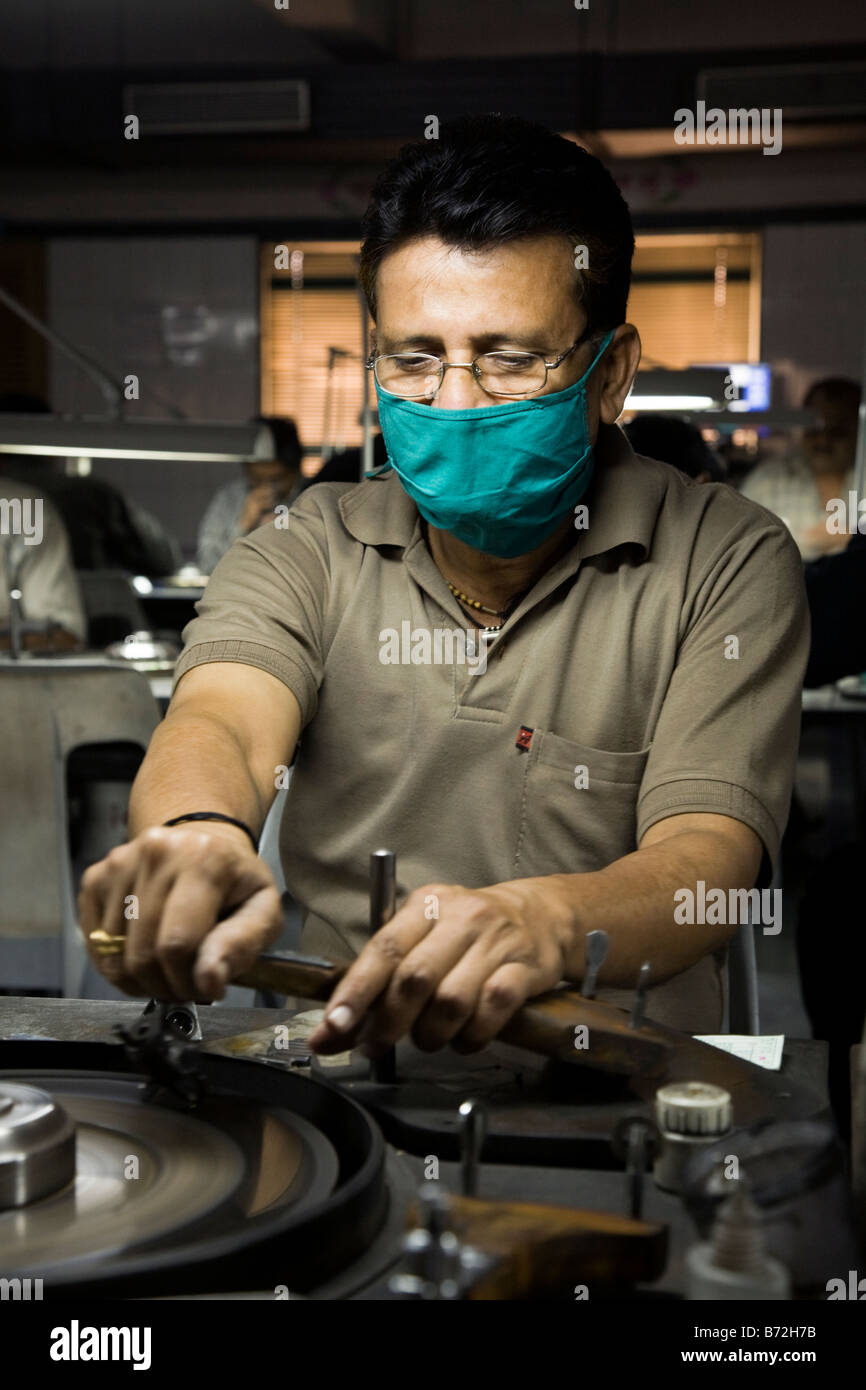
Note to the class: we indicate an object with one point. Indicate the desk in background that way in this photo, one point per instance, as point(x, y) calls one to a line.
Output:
point(169, 604)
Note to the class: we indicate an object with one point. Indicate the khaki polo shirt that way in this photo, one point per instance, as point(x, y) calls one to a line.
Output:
point(655, 669)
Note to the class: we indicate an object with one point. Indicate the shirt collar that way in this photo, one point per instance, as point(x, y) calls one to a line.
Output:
point(623, 502)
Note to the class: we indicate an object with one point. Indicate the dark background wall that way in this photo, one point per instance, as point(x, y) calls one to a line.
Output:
point(146, 253)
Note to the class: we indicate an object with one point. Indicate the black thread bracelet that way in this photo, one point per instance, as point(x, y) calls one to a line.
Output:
point(216, 815)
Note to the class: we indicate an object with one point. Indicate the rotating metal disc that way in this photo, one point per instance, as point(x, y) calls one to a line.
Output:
point(144, 1172)
point(167, 1198)
point(128, 1188)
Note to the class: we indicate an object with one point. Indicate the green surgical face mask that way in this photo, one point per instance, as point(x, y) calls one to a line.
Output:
point(500, 478)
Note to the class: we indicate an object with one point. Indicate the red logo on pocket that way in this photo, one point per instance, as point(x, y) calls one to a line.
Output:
point(524, 739)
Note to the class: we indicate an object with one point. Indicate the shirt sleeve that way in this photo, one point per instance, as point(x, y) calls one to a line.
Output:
point(265, 604)
point(727, 735)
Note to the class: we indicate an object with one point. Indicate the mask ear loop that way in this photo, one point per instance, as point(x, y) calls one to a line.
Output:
point(607, 339)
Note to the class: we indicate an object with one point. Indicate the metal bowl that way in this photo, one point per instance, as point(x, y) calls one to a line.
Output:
point(144, 646)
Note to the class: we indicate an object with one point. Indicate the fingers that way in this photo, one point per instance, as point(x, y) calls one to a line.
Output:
point(371, 973)
point(182, 913)
point(165, 892)
point(477, 998)
point(153, 881)
point(101, 900)
point(188, 875)
point(500, 997)
point(461, 980)
point(231, 948)
point(427, 986)
point(181, 896)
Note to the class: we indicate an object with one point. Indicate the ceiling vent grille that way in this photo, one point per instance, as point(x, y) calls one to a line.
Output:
point(218, 108)
point(804, 91)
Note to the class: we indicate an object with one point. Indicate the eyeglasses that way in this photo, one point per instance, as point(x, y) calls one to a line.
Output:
point(417, 375)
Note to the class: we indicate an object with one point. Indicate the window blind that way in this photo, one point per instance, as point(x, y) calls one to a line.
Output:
point(695, 298)
point(312, 343)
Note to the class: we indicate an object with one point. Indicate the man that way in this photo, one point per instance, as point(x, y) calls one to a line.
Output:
point(35, 562)
point(798, 489)
point(613, 750)
point(243, 506)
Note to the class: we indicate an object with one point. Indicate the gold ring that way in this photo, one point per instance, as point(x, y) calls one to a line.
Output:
point(106, 945)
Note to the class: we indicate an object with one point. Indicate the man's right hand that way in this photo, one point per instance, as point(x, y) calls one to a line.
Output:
point(196, 906)
point(258, 507)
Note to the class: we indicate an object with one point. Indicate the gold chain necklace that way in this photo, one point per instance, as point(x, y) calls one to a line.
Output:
point(476, 603)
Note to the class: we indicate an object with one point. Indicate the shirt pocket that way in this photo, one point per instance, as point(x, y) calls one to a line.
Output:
point(579, 805)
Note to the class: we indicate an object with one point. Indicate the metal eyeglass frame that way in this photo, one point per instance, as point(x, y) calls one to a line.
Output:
point(472, 366)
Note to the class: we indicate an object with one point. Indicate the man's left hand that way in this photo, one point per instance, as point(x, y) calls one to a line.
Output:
point(452, 965)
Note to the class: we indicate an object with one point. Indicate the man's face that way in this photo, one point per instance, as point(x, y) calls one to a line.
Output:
point(457, 304)
point(830, 446)
point(271, 471)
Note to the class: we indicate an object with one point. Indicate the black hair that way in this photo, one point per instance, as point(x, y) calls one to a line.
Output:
point(674, 441)
point(493, 179)
point(842, 388)
point(284, 432)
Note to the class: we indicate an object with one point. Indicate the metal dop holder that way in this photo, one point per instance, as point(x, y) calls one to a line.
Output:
point(383, 887)
point(383, 905)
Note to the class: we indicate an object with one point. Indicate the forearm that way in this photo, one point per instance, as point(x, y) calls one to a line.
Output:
point(195, 763)
point(632, 899)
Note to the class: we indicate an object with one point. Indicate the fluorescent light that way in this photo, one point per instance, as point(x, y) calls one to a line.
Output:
point(181, 441)
point(692, 388)
point(669, 403)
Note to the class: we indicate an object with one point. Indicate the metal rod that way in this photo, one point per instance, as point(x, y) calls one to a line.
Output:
point(473, 1131)
point(383, 887)
point(383, 904)
point(366, 413)
point(860, 447)
point(638, 1008)
point(111, 389)
point(595, 954)
point(635, 1168)
point(334, 355)
point(13, 556)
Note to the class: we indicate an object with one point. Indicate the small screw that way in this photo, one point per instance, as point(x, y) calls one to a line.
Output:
point(180, 1021)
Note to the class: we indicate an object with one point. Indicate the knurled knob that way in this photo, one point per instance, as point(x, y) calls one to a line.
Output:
point(693, 1107)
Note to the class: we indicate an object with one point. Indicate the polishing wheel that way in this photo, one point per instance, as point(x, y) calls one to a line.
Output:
point(261, 1172)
